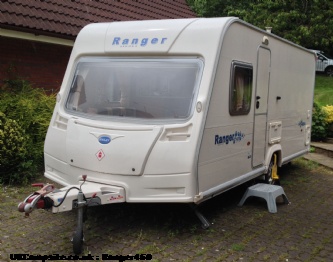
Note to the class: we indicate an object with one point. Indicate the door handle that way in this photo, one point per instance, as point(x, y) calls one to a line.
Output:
point(258, 97)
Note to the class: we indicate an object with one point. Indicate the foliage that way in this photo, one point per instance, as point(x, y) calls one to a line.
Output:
point(12, 140)
point(13, 151)
point(319, 125)
point(28, 111)
point(306, 22)
point(329, 112)
point(329, 119)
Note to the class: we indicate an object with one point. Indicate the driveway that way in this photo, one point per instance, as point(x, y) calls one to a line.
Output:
point(301, 231)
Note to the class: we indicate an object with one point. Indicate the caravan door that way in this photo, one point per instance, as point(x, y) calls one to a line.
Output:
point(260, 111)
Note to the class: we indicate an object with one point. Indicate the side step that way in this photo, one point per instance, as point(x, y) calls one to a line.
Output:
point(268, 192)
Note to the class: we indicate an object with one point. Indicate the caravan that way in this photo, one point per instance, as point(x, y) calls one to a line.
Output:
point(174, 111)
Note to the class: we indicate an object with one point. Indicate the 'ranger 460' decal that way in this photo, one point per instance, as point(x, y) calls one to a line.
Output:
point(236, 137)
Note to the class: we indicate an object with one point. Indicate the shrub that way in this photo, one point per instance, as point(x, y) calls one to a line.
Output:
point(31, 109)
point(329, 112)
point(319, 124)
point(13, 150)
point(329, 119)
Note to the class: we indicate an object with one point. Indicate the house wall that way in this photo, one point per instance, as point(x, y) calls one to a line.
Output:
point(42, 64)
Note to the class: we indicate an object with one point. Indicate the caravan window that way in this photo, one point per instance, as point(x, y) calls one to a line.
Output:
point(240, 89)
point(151, 89)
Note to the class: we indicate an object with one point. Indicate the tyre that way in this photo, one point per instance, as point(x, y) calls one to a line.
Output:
point(329, 71)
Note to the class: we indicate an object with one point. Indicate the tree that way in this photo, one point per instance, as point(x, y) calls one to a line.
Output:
point(306, 22)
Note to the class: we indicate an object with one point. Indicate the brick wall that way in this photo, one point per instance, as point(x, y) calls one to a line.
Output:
point(42, 64)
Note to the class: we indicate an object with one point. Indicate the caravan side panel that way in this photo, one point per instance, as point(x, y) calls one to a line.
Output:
point(291, 96)
point(221, 162)
point(287, 71)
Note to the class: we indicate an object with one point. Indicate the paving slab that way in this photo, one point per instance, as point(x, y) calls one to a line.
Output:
point(320, 159)
point(326, 146)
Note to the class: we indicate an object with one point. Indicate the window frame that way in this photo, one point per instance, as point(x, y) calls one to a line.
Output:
point(244, 66)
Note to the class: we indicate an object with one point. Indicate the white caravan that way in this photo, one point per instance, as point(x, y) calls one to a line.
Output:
point(176, 111)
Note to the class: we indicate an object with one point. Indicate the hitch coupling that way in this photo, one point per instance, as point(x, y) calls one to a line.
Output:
point(37, 199)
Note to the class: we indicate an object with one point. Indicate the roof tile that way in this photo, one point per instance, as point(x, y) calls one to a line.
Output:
point(66, 18)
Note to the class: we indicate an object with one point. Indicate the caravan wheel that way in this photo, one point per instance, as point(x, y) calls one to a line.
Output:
point(271, 177)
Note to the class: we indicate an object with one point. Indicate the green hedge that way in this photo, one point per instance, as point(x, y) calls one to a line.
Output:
point(25, 113)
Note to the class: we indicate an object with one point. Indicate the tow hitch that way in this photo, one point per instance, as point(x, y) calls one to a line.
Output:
point(36, 199)
point(77, 196)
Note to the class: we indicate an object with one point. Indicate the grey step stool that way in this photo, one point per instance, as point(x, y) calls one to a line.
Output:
point(268, 192)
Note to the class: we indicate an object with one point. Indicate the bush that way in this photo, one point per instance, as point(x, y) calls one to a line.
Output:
point(320, 126)
point(329, 119)
point(28, 110)
point(13, 150)
point(329, 112)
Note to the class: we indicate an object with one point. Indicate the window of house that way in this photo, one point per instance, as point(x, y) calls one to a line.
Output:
point(240, 88)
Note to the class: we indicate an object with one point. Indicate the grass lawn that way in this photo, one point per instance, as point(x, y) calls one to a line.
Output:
point(323, 93)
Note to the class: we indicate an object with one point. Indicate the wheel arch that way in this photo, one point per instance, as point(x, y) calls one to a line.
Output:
point(275, 149)
point(329, 68)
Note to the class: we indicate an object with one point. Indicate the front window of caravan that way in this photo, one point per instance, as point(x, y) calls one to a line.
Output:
point(154, 89)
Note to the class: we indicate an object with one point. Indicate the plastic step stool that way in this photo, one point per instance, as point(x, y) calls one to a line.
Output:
point(268, 192)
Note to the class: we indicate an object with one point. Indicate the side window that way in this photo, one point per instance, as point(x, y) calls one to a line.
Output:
point(320, 57)
point(240, 89)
